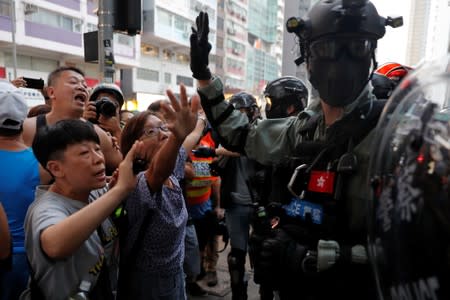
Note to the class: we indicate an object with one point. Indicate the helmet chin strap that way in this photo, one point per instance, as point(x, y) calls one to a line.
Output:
point(374, 67)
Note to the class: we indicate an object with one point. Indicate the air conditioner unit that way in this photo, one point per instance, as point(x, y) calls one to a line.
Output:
point(30, 9)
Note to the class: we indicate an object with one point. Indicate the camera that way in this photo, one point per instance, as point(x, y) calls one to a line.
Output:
point(33, 83)
point(106, 107)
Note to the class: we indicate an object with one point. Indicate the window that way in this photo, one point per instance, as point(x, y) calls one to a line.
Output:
point(147, 74)
point(167, 78)
point(220, 23)
point(219, 43)
point(164, 18)
point(180, 24)
point(150, 50)
point(31, 63)
point(91, 27)
point(187, 81)
point(5, 9)
point(53, 19)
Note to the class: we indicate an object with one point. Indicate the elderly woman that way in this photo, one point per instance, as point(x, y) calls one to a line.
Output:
point(152, 244)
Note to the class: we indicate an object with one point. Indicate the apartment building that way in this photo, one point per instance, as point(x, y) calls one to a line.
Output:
point(263, 43)
point(49, 34)
point(164, 49)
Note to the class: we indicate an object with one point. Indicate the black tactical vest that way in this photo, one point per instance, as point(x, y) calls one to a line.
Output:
point(322, 171)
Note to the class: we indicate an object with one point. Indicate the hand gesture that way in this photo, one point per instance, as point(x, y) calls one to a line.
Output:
point(200, 48)
point(181, 116)
point(124, 176)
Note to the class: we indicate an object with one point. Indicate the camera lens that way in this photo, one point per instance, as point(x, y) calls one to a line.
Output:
point(106, 107)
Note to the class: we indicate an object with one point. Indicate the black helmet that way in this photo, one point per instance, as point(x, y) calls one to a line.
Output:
point(282, 92)
point(243, 100)
point(331, 29)
point(386, 77)
point(330, 17)
point(409, 228)
point(107, 88)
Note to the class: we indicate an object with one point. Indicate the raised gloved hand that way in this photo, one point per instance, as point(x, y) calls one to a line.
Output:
point(200, 48)
point(204, 152)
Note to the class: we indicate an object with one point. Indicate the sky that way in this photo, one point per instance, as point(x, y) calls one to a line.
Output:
point(392, 47)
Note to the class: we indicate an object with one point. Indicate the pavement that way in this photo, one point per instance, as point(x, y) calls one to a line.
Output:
point(222, 290)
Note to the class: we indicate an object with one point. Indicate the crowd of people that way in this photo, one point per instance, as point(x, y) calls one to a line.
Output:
point(97, 202)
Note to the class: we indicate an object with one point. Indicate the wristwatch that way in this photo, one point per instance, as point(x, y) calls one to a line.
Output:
point(213, 90)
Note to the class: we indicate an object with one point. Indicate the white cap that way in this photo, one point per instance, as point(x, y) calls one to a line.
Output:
point(13, 108)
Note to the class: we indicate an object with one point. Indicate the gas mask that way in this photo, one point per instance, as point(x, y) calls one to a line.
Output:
point(339, 68)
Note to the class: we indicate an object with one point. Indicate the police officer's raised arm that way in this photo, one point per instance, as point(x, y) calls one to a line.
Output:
point(260, 140)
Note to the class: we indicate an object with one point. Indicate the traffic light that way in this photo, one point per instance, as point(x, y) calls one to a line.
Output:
point(128, 16)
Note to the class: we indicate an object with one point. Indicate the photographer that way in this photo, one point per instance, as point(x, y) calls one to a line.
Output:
point(103, 108)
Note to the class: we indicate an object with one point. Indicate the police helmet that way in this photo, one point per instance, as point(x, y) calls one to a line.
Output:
point(283, 92)
point(340, 17)
point(246, 101)
point(338, 39)
point(107, 88)
point(386, 77)
point(409, 228)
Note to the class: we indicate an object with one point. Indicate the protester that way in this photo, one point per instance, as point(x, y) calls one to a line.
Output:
point(68, 93)
point(19, 176)
point(125, 115)
point(5, 237)
point(387, 77)
point(152, 244)
point(70, 239)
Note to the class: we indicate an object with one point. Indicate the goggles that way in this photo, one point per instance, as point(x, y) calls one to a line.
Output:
point(332, 48)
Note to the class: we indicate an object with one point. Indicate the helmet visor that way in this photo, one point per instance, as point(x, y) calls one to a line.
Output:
point(333, 48)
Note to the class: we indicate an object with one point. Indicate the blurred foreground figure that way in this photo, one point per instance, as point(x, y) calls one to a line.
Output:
point(410, 169)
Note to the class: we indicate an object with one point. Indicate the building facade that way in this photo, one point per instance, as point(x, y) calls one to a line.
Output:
point(49, 34)
point(164, 57)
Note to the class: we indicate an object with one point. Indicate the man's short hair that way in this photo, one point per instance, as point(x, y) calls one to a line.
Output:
point(51, 141)
point(55, 74)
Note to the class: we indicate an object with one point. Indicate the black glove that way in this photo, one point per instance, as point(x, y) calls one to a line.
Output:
point(204, 152)
point(280, 256)
point(200, 48)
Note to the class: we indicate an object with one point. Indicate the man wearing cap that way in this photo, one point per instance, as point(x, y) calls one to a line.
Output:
point(103, 108)
point(19, 176)
point(68, 93)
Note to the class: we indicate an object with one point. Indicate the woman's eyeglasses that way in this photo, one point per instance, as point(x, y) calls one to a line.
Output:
point(153, 131)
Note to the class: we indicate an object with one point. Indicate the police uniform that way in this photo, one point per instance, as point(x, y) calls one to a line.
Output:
point(280, 140)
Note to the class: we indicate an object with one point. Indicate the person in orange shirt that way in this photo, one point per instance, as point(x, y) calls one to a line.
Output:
point(203, 204)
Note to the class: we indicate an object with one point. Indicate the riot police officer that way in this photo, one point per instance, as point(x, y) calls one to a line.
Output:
point(240, 191)
point(410, 168)
point(285, 96)
point(324, 249)
point(386, 78)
